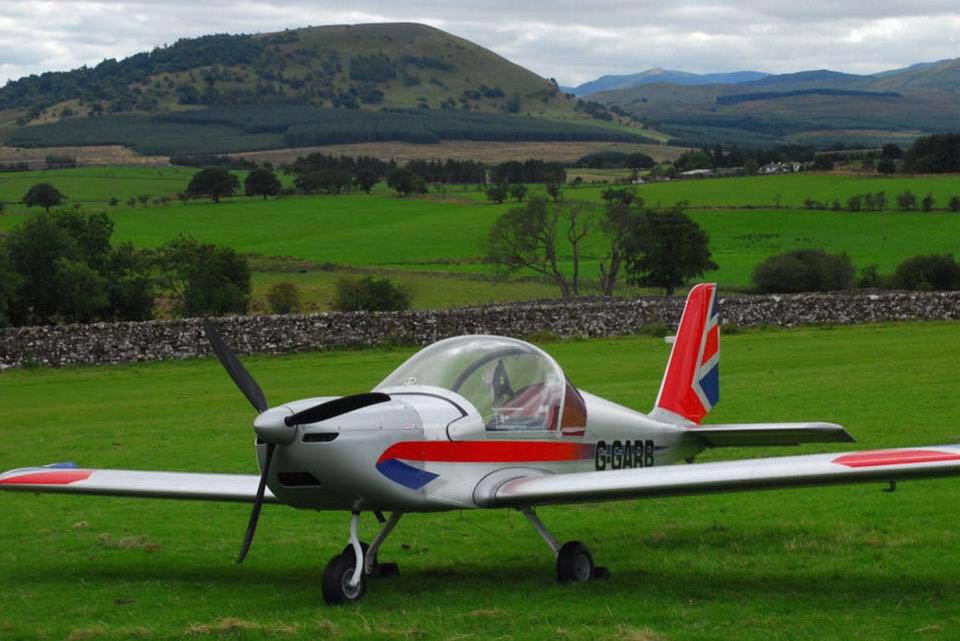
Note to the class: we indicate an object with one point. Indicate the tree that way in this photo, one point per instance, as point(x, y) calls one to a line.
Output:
point(203, 278)
point(402, 181)
point(803, 270)
point(518, 191)
point(891, 151)
point(68, 271)
point(130, 284)
point(886, 167)
point(928, 272)
point(497, 193)
point(936, 154)
point(823, 162)
point(528, 237)
point(43, 195)
point(284, 298)
point(366, 179)
point(638, 160)
point(370, 294)
point(9, 282)
point(623, 196)
point(954, 204)
point(83, 290)
point(215, 183)
point(927, 202)
point(667, 251)
point(621, 223)
point(554, 187)
point(261, 182)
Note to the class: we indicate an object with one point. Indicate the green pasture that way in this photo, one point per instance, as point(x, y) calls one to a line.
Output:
point(445, 231)
point(93, 187)
point(833, 564)
point(762, 191)
point(422, 234)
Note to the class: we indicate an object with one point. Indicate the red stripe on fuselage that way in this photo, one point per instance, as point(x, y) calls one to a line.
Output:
point(487, 451)
point(58, 477)
point(894, 457)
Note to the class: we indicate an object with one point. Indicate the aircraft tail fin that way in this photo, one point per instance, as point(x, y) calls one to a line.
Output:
point(691, 383)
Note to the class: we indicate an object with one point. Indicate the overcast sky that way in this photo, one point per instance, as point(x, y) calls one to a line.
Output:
point(573, 41)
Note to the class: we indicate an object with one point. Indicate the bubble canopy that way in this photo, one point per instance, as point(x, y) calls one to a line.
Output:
point(514, 385)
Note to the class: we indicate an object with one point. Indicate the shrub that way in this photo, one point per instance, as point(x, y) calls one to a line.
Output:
point(927, 202)
point(928, 272)
point(906, 201)
point(284, 298)
point(803, 270)
point(370, 294)
point(954, 204)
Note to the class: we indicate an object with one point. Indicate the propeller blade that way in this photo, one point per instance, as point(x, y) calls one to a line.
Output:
point(255, 515)
point(331, 409)
point(235, 369)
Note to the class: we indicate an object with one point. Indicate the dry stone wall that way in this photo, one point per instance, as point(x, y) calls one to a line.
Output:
point(102, 343)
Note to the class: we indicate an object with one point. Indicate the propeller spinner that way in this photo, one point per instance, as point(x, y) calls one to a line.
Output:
point(272, 432)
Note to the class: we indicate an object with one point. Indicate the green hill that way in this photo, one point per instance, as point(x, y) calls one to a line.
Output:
point(816, 107)
point(340, 79)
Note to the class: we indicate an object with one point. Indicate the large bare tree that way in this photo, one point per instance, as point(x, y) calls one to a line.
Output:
point(532, 237)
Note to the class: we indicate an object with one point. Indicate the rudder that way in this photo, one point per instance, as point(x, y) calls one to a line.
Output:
point(691, 383)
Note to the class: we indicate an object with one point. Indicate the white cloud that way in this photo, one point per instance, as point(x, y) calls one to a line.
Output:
point(573, 41)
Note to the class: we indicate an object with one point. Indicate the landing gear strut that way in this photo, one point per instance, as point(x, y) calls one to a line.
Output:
point(345, 577)
point(574, 561)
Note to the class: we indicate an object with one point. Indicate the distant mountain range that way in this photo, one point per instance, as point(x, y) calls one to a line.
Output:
point(818, 106)
point(650, 76)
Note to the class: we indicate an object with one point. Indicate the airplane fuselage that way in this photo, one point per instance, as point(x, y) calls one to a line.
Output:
point(427, 450)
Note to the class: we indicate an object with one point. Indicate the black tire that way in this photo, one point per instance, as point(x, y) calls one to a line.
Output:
point(336, 581)
point(574, 563)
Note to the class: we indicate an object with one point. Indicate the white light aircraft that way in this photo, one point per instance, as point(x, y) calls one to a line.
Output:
point(493, 422)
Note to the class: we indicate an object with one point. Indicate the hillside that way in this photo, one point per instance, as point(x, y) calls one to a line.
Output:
point(328, 76)
point(818, 107)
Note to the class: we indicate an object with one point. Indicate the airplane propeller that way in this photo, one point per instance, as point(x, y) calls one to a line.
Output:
point(269, 432)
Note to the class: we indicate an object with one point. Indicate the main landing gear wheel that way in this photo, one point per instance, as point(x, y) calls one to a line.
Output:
point(337, 589)
point(575, 564)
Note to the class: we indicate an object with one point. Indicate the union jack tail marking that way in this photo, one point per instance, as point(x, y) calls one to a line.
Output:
point(691, 384)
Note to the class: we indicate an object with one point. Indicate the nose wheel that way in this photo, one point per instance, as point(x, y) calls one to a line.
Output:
point(345, 577)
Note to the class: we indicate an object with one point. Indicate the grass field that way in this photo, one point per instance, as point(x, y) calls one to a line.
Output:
point(445, 232)
point(829, 564)
point(418, 235)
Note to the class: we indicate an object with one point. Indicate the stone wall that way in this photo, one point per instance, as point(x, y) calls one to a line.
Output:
point(161, 340)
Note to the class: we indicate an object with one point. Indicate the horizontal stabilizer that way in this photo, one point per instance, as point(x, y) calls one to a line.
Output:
point(158, 485)
point(760, 434)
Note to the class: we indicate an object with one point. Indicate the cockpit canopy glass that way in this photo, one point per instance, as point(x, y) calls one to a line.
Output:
point(512, 384)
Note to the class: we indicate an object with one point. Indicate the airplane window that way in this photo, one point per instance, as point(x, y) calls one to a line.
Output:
point(514, 386)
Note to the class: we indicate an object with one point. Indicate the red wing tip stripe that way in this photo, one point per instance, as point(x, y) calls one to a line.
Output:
point(53, 477)
point(895, 457)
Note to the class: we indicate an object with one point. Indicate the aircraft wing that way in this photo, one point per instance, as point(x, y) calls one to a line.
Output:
point(158, 485)
point(727, 476)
